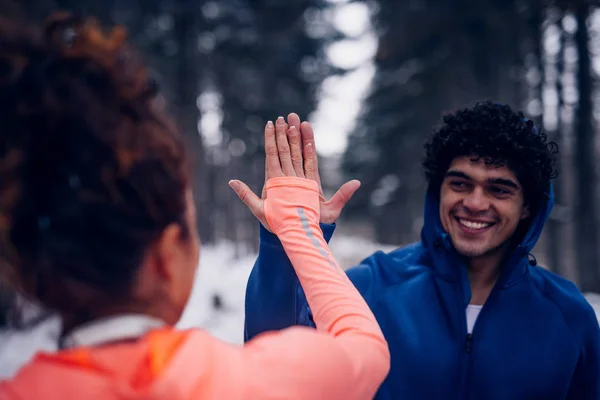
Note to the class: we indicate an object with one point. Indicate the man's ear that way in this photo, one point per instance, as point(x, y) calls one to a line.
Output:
point(526, 213)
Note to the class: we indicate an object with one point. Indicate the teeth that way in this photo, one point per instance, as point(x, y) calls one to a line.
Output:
point(473, 225)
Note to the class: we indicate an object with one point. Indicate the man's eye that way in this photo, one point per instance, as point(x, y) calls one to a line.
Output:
point(458, 184)
point(499, 191)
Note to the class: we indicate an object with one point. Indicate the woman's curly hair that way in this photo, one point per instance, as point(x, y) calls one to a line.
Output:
point(500, 136)
point(91, 171)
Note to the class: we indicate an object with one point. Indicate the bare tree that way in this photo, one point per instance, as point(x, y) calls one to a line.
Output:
point(586, 217)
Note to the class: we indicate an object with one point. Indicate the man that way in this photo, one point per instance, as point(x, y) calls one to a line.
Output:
point(466, 311)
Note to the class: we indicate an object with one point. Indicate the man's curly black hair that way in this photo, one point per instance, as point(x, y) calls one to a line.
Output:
point(500, 136)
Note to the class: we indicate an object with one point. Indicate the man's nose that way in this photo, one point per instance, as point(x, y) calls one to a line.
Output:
point(476, 200)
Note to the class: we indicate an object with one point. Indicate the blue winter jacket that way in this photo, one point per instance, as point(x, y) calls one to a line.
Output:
point(536, 337)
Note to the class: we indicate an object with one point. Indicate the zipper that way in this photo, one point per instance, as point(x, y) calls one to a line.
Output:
point(466, 365)
point(469, 343)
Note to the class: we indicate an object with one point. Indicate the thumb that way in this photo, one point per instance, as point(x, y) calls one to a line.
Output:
point(254, 203)
point(343, 195)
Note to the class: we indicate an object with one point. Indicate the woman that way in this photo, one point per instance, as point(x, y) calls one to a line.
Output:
point(97, 222)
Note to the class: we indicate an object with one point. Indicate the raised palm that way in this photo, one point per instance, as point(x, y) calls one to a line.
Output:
point(296, 142)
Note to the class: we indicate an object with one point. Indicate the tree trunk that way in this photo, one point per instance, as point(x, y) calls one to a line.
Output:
point(586, 234)
point(186, 83)
point(556, 226)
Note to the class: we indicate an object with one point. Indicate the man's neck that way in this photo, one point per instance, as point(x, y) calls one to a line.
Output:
point(483, 274)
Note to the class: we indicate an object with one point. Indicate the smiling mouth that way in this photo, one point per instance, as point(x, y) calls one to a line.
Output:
point(474, 226)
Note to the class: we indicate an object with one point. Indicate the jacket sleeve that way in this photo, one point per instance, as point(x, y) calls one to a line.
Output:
point(274, 297)
point(346, 357)
point(585, 384)
point(302, 363)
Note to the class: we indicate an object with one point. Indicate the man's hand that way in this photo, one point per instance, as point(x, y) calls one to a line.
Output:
point(291, 149)
point(330, 209)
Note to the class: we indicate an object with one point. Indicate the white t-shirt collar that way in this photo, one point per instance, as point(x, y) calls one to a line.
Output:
point(110, 329)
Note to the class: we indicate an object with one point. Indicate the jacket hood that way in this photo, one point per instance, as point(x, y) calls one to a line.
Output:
point(438, 241)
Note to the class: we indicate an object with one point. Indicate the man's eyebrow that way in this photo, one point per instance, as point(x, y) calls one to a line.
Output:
point(458, 174)
point(503, 182)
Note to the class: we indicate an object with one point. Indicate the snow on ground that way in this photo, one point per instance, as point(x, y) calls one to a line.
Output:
point(216, 303)
point(217, 299)
point(594, 300)
point(16, 348)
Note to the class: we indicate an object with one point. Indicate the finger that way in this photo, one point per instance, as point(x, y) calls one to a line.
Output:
point(250, 199)
point(283, 147)
point(343, 195)
point(272, 165)
point(295, 142)
point(310, 164)
point(308, 137)
point(294, 120)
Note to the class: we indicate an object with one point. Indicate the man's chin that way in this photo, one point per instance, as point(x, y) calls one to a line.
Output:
point(471, 251)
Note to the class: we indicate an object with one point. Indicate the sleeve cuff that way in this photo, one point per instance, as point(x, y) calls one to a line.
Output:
point(269, 238)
